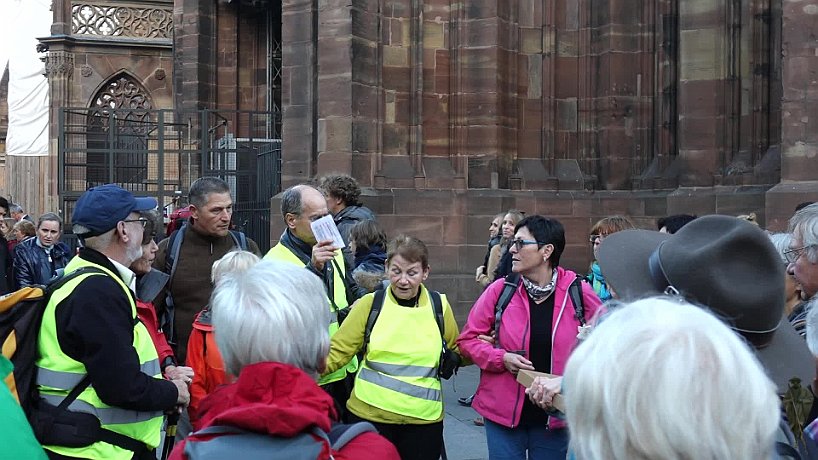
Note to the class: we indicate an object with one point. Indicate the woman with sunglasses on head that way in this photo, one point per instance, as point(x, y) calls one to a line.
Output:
point(536, 331)
point(600, 231)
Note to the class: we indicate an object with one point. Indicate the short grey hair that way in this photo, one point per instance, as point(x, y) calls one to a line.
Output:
point(291, 202)
point(204, 186)
point(49, 216)
point(781, 241)
point(805, 223)
point(286, 320)
point(100, 242)
point(14, 207)
point(657, 379)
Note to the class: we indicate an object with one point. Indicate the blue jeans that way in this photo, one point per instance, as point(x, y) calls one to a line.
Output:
point(512, 443)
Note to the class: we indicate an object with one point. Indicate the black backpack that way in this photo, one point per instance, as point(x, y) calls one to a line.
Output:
point(171, 261)
point(510, 285)
point(21, 317)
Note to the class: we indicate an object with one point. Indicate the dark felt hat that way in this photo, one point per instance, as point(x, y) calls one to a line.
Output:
point(724, 263)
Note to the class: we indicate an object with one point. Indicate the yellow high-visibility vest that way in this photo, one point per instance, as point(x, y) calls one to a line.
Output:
point(58, 373)
point(282, 253)
point(399, 372)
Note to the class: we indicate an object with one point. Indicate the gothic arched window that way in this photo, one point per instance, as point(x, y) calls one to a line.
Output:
point(120, 120)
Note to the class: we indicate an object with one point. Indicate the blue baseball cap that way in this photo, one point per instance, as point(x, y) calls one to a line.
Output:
point(99, 209)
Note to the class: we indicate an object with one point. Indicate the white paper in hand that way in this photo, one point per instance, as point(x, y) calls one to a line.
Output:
point(324, 229)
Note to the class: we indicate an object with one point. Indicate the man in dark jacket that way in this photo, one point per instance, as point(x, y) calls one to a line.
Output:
point(206, 239)
point(38, 259)
point(343, 195)
point(90, 334)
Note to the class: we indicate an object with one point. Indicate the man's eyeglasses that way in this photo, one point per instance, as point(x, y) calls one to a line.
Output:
point(142, 220)
point(518, 243)
point(793, 254)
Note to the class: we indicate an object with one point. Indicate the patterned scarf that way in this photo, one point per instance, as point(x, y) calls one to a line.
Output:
point(598, 282)
point(539, 293)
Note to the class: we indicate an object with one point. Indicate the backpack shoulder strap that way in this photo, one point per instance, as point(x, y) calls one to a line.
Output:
point(239, 239)
point(60, 282)
point(377, 304)
point(341, 434)
point(172, 254)
point(509, 287)
point(437, 306)
point(575, 292)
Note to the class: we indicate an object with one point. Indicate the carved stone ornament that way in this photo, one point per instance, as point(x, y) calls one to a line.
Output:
point(159, 74)
point(86, 70)
point(59, 64)
point(109, 19)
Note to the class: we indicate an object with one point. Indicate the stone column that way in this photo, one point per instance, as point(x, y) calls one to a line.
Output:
point(299, 22)
point(799, 113)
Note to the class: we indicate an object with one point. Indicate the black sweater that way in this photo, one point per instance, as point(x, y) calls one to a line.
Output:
point(95, 326)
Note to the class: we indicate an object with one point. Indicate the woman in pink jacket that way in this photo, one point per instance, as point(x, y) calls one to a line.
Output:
point(538, 330)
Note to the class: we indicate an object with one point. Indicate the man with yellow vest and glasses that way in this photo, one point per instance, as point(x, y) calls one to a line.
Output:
point(398, 387)
point(91, 340)
point(300, 206)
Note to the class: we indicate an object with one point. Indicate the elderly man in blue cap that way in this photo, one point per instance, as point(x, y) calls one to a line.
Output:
point(93, 352)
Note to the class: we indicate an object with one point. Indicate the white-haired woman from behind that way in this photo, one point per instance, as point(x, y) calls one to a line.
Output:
point(271, 325)
point(663, 379)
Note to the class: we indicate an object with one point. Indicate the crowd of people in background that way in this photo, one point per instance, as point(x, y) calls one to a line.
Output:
point(182, 340)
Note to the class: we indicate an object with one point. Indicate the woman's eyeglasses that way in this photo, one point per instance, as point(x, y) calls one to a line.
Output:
point(149, 232)
point(596, 239)
point(518, 243)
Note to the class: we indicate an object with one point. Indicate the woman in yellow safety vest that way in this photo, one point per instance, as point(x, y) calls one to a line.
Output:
point(397, 387)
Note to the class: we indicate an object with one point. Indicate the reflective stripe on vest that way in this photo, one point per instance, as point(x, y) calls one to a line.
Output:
point(399, 372)
point(59, 373)
point(106, 415)
point(57, 379)
point(400, 386)
point(282, 253)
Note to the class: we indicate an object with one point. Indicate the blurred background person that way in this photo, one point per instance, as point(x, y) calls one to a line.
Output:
point(367, 242)
point(499, 262)
point(37, 260)
point(203, 355)
point(536, 331)
point(397, 387)
point(672, 224)
point(17, 213)
point(599, 232)
point(274, 337)
point(657, 380)
point(343, 195)
point(23, 230)
point(481, 275)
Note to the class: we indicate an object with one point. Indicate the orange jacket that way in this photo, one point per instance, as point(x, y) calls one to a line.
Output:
point(206, 361)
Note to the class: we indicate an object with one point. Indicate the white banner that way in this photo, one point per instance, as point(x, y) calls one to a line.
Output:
point(28, 88)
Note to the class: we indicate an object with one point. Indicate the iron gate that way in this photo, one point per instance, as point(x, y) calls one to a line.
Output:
point(159, 153)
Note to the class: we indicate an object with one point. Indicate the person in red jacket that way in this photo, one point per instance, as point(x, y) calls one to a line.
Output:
point(149, 284)
point(275, 337)
point(202, 354)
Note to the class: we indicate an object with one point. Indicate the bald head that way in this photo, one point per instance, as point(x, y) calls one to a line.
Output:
point(301, 205)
